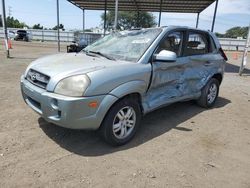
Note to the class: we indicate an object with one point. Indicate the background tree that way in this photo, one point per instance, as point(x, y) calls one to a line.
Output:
point(61, 26)
point(37, 26)
point(234, 33)
point(130, 19)
point(14, 23)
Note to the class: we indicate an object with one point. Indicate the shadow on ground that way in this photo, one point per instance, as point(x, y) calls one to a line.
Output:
point(88, 143)
point(230, 68)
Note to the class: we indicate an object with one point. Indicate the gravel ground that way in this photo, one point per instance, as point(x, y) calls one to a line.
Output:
point(181, 145)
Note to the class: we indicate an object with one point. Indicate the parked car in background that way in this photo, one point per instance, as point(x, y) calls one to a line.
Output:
point(119, 78)
point(11, 34)
point(77, 45)
point(23, 35)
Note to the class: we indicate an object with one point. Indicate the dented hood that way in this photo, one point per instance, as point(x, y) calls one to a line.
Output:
point(69, 64)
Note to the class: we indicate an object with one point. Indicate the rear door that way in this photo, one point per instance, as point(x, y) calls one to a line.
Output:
point(202, 59)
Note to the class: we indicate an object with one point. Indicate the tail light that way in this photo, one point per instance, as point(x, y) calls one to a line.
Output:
point(222, 53)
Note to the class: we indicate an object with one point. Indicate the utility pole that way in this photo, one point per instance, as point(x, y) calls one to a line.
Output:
point(5, 29)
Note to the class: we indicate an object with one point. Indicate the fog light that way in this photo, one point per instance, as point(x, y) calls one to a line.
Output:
point(54, 104)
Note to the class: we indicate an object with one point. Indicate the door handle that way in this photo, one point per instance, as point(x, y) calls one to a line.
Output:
point(208, 63)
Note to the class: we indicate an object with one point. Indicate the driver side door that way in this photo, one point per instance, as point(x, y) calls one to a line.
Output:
point(166, 84)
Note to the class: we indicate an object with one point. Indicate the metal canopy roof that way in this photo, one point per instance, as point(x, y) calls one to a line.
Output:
point(181, 6)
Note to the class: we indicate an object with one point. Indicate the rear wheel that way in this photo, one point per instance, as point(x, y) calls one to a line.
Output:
point(121, 122)
point(209, 94)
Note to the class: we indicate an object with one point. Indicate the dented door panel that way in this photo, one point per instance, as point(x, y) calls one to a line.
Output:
point(166, 84)
point(200, 69)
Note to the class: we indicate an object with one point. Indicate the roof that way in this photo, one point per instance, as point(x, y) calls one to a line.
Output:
point(181, 6)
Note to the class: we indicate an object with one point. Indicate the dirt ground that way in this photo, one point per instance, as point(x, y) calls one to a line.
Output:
point(181, 145)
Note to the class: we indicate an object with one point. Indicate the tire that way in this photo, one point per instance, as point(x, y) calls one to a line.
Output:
point(124, 130)
point(209, 94)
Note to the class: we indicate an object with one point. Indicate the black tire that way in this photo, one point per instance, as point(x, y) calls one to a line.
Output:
point(106, 128)
point(203, 101)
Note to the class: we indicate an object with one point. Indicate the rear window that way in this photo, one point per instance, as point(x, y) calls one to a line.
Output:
point(197, 44)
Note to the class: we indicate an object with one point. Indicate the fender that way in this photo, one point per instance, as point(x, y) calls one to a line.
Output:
point(136, 86)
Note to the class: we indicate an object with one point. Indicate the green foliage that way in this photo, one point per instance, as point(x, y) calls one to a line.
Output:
point(61, 26)
point(37, 26)
point(87, 30)
point(129, 19)
point(234, 33)
point(14, 23)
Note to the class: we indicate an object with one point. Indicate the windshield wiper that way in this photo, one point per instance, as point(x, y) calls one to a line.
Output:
point(101, 54)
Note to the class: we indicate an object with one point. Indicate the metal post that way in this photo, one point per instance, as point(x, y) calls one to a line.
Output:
point(244, 58)
point(116, 14)
point(83, 20)
point(138, 19)
point(58, 31)
point(5, 30)
point(105, 18)
point(159, 22)
point(42, 36)
point(197, 21)
point(215, 11)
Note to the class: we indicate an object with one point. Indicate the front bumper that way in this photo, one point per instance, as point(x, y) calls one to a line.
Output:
point(69, 112)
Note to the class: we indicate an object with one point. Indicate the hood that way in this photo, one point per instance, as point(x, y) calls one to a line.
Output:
point(70, 64)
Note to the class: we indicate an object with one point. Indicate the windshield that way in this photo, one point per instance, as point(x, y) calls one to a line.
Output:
point(126, 45)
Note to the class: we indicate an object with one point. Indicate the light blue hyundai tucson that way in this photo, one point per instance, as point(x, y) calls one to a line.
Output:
point(113, 82)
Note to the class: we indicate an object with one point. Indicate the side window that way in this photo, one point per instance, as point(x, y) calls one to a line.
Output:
point(197, 44)
point(172, 43)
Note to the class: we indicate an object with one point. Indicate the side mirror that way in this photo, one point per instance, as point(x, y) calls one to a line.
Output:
point(165, 56)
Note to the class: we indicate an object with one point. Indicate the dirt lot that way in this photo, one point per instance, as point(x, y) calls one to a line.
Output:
point(178, 146)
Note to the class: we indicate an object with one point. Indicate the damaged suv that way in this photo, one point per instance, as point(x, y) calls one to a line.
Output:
point(112, 83)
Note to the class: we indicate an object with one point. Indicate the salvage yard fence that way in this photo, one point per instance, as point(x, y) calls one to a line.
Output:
point(69, 36)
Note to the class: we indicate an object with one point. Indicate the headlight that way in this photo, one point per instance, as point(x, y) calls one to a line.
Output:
point(73, 86)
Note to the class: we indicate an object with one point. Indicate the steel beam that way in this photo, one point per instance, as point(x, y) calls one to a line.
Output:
point(5, 30)
point(215, 11)
point(58, 31)
point(197, 20)
point(83, 20)
point(105, 18)
point(116, 14)
point(159, 21)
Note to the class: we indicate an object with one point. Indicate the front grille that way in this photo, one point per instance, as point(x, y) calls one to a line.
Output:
point(37, 78)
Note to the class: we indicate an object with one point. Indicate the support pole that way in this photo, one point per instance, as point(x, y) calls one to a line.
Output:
point(105, 18)
point(244, 58)
point(138, 19)
point(116, 14)
point(197, 20)
point(83, 20)
point(5, 30)
point(58, 31)
point(159, 21)
point(215, 11)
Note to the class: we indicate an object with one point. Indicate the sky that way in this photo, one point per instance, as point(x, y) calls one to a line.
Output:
point(230, 13)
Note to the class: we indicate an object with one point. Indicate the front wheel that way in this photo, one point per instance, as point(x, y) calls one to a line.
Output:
point(121, 122)
point(209, 93)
